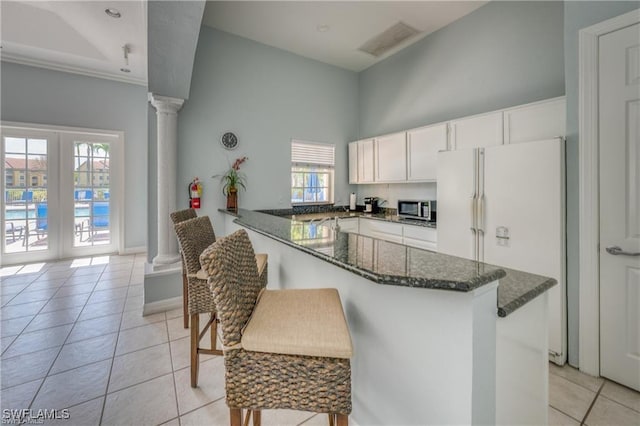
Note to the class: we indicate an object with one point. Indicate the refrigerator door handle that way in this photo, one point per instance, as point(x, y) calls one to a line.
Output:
point(480, 218)
point(473, 213)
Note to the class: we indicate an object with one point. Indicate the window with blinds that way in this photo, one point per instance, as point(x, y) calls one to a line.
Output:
point(312, 167)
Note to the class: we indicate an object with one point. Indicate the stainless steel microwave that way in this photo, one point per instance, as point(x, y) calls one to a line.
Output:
point(421, 210)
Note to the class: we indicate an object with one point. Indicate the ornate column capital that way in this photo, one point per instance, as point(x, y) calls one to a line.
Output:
point(165, 104)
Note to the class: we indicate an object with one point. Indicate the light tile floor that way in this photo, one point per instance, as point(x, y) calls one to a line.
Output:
point(576, 398)
point(73, 337)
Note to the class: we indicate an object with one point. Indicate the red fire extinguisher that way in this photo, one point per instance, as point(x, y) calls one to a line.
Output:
point(195, 192)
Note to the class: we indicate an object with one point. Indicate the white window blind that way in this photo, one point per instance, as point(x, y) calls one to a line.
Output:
point(313, 153)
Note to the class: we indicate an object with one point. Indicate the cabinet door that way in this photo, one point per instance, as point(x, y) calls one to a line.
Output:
point(353, 162)
point(391, 158)
point(478, 131)
point(420, 236)
point(533, 122)
point(348, 224)
point(423, 145)
point(365, 161)
point(381, 230)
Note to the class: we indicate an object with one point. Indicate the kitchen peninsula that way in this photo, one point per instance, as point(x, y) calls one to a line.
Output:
point(438, 339)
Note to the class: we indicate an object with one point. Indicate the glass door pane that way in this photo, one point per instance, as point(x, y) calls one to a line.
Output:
point(26, 216)
point(92, 206)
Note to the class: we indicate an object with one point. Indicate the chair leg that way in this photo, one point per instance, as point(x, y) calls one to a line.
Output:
point(195, 338)
point(213, 330)
point(342, 419)
point(332, 419)
point(256, 417)
point(185, 299)
point(236, 416)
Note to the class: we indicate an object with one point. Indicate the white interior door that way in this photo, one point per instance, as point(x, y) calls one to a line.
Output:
point(523, 218)
point(619, 144)
point(457, 173)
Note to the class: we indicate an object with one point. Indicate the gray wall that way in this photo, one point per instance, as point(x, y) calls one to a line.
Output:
point(173, 28)
point(36, 95)
point(578, 15)
point(266, 96)
point(503, 54)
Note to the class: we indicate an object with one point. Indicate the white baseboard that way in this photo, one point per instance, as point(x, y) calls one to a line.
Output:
point(134, 250)
point(162, 306)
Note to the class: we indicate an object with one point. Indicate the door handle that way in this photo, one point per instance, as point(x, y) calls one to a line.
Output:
point(473, 213)
point(480, 220)
point(617, 251)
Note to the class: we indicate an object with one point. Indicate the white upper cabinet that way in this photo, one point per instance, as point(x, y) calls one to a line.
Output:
point(477, 131)
point(353, 162)
point(391, 155)
point(423, 145)
point(411, 156)
point(536, 121)
point(365, 161)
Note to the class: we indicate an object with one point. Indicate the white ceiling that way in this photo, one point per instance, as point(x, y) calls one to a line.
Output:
point(77, 36)
point(293, 26)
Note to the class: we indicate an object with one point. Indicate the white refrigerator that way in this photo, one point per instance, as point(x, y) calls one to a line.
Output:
point(504, 205)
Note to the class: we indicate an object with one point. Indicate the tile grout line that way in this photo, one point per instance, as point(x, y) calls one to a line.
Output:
point(198, 408)
point(35, 395)
point(592, 404)
point(29, 323)
point(46, 328)
point(115, 348)
point(173, 372)
point(608, 398)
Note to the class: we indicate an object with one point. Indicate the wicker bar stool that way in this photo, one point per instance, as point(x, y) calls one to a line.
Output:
point(177, 217)
point(195, 235)
point(283, 349)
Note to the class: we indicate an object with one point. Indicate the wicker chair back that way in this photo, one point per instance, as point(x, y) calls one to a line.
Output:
point(194, 235)
point(233, 277)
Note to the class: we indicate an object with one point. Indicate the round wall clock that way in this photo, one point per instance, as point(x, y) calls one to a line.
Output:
point(229, 140)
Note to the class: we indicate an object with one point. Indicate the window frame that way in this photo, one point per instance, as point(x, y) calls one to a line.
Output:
point(309, 167)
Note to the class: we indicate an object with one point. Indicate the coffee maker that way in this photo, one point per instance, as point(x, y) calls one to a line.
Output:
point(371, 204)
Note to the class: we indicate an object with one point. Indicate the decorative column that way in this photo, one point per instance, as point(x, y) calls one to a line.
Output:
point(167, 117)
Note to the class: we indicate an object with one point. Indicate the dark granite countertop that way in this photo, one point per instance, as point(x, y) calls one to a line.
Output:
point(395, 264)
point(387, 215)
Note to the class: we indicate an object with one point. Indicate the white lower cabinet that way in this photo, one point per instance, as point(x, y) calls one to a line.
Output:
point(349, 225)
point(420, 237)
point(410, 235)
point(382, 230)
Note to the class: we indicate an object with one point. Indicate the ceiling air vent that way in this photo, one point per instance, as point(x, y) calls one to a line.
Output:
point(387, 40)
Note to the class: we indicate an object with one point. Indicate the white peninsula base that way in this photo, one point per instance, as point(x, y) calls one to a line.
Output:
point(427, 356)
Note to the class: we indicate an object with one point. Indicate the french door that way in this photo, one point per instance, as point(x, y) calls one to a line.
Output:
point(61, 194)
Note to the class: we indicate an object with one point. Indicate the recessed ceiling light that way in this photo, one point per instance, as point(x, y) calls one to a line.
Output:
point(114, 13)
point(322, 28)
point(125, 70)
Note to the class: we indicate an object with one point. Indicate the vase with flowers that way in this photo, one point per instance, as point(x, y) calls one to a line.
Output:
point(232, 181)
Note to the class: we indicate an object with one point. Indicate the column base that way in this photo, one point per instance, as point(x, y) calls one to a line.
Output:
point(166, 261)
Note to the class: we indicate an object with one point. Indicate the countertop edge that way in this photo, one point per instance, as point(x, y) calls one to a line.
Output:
point(512, 306)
